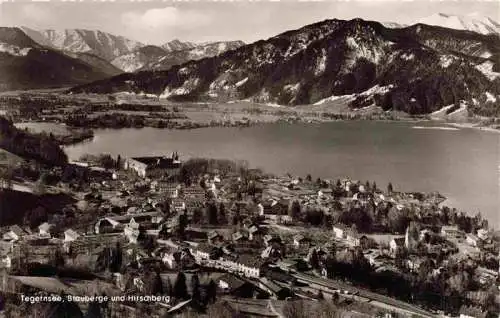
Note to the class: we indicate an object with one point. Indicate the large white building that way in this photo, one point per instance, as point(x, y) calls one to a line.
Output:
point(154, 166)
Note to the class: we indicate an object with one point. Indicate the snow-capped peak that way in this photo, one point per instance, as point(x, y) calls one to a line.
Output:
point(472, 22)
point(393, 25)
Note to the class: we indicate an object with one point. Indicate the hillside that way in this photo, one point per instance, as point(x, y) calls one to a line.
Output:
point(177, 45)
point(28, 146)
point(419, 69)
point(141, 58)
point(26, 64)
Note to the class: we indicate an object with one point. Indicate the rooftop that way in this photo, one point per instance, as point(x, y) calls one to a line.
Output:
point(161, 162)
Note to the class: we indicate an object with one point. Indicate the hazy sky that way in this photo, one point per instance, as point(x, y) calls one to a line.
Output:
point(156, 22)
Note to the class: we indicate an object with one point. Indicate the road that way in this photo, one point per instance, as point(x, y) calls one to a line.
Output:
point(374, 297)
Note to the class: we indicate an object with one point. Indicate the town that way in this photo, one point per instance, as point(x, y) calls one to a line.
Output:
point(218, 238)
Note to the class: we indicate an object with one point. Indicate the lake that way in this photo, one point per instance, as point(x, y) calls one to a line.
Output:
point(462, 164)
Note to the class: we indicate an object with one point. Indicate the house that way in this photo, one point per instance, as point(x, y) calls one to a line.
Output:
point(213, 236)
point(280, 276)
point(116, 223)
point(340, 231)
point(194, 193)
point(325, 193)
point(108, 225)
point(154, 166)
point(277, 291)
point(451, 232)
point(38, 239)
point(275, 211)
point(166, 188)
point(425, 233)
point(5, 261)
point(202, 252)
point(14, 234)
point(270, 240)
point(473, 240)
point(178, 205)
point(271, 252)
point(414, 263)
point(45, 228)
point(249, 265)
point(231, 284)
point(166, 253)
point(238, 236)
point(253, 231)
point(169, 191)
point(483, 234)
point(132, 234)
point(185, 259)
point(301, 241)
point(397, 244)
point(353, 237)
point(70, 235)
point(472, 312)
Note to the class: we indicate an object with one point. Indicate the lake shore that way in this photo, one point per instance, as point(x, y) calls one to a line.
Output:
point(474, 126)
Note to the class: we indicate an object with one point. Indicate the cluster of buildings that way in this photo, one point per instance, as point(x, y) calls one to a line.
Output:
point(254, 256)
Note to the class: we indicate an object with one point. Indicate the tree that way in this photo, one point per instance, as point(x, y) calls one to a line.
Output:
point(117, 259)
point(180, 288)
point(390, 188)
point(57, 259)
point(320, 295)
point(222, 214)
point(398, 219)
point(183, 222)
point(197, 215)
point(153, 284)
point(308, 178)
point(118, 162)
point(314, 260)
point(459, 282)
point(211, 291)
point(169, 288)
point(195, 287)
point(335, 297)
point(295, 210)
point(211, 210)
point(94, 310)
point(6, 177)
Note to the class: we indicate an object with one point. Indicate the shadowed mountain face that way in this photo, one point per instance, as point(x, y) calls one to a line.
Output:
point(27, 64)
point(417, 69)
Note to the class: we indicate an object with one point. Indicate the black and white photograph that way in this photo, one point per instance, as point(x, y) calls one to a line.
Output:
point(250, 159)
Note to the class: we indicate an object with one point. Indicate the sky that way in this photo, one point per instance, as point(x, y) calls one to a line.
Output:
point(157, 22)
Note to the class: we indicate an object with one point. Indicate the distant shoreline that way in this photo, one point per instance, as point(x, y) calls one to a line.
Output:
point(473, 126)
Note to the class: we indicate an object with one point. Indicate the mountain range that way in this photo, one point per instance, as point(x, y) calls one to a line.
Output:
point(161, 58)
point(123, 54)
point(76, 56)
point(471, 22)
point(27, 64)
point(416, 69)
